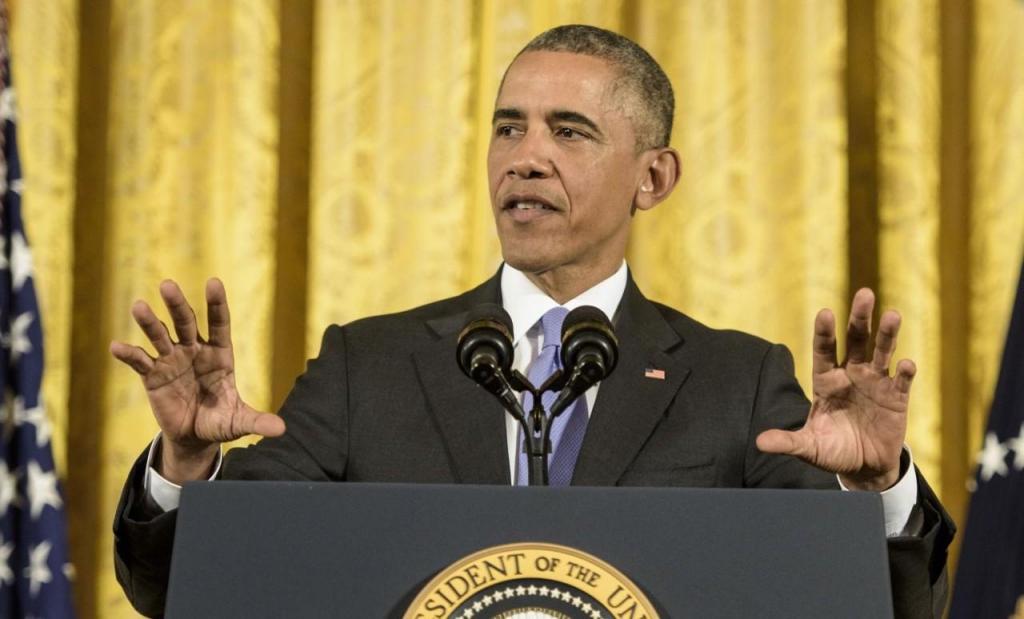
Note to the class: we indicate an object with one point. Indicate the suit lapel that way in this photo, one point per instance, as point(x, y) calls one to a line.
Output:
point(471, 421)
point(629, 404)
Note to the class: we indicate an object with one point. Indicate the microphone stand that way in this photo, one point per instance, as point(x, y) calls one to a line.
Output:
point(537, 426)
point(484, 352)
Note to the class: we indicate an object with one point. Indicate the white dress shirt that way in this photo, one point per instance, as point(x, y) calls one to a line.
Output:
point(527, 304)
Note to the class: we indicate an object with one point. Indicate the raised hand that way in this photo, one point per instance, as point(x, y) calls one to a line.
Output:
point(858, 419)
point(191, 383)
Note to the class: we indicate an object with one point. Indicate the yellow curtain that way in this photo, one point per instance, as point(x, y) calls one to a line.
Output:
point(326, 159)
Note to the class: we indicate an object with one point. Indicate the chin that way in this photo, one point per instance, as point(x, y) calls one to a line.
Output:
point(527, 262)
point(534, 253)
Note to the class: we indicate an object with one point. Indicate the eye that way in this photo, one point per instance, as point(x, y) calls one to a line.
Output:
point(569, 133)
point(505, 131)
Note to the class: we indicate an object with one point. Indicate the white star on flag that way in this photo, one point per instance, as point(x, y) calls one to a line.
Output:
point(35, 416)
point(6, 574)
point(37, 571)
point(3, 253)
point(8, 488)
point(1017, 445)
point(42, 489)
point(7, 103)
point(19, 341)
point(21, 260)
point(992, 458)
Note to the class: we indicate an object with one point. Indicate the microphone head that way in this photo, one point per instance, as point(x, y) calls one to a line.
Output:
point(486, 337)
point(588, 338)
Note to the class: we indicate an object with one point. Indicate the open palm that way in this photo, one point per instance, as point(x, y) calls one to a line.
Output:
point(191, 382)
point(858, 419)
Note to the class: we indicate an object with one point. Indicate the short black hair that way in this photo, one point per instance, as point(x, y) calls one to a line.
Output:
point(639, 73)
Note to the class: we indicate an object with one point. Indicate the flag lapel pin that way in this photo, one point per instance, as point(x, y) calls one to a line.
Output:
point(655, 373)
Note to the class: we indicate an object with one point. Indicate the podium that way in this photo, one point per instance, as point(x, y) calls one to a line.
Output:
point(286, 549)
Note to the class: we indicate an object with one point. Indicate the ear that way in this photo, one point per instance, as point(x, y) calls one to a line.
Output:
point(661, 174)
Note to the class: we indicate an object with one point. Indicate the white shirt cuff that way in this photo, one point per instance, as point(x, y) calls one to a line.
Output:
point(162, 493)
point(898, 502)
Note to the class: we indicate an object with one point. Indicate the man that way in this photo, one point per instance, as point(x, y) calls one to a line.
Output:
point(579, 145)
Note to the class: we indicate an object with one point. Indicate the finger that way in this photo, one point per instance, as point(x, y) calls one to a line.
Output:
point(824, 342)
point(219, 316)
point(155, 330)
point(905, 372)
point(132, 356)
point(885, 341)
point(858, 332)
point(263, 424)
point(182, 316)
point(784, 442)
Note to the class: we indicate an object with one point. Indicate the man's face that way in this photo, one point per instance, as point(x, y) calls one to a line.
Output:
point(562, 166)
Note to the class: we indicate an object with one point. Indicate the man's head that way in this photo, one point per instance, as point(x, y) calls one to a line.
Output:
point(642, 85)
point(564, 167)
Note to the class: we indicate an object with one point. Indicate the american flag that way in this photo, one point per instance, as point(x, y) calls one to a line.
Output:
point(653, 372)
point(35, 575)
point(990, 576)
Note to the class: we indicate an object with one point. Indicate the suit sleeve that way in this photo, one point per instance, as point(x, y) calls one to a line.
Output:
point(315, 445)
point(142, 545)
point(917, 563)
point(313, 448)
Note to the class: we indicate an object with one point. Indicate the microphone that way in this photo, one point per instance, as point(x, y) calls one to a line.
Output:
point(484, 348)
point(589, 344)
point(590, 351)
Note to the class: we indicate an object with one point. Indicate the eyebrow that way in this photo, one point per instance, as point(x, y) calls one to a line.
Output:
point(507, 113)
point(576, 118)
point(511, 113)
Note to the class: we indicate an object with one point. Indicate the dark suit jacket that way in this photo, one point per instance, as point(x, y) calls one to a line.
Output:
point(385, 401)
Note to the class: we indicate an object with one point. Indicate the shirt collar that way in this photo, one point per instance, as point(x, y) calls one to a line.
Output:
point(526, 303)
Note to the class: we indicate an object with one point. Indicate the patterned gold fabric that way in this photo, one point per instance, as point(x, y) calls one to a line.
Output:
point(341, 144)
point(908, 202)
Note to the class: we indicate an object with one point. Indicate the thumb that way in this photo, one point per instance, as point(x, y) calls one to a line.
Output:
point(263, 424)
point(783, 442)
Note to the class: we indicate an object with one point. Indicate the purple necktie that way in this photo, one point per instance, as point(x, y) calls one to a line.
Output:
point(568, 428)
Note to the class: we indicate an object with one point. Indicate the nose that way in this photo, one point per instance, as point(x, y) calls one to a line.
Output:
point(531, 157)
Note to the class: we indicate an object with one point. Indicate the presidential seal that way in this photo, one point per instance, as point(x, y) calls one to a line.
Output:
point(531, 581)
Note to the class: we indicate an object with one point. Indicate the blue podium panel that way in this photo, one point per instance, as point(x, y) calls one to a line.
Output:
point(282, 549)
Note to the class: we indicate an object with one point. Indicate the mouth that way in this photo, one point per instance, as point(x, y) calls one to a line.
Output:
point(527, 205)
